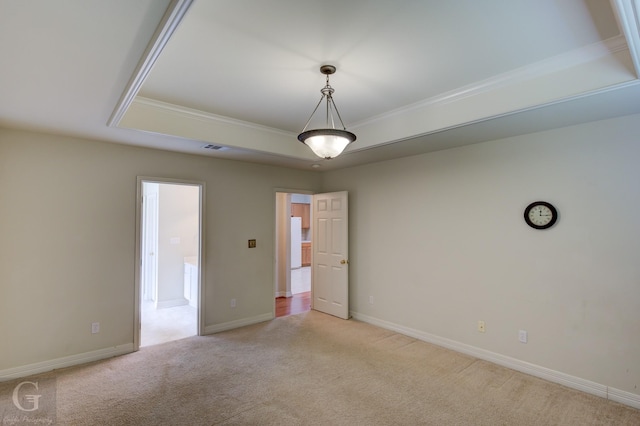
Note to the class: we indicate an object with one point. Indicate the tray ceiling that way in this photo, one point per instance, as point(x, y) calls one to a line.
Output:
point(413, 76)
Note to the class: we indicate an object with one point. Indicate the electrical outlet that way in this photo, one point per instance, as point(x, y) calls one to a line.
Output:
point(233, 303)
point(371, 300)
point(481, 327)
point(95, 327)
point(522, 336)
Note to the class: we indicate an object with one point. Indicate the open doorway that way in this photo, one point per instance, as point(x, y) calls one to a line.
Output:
point(293, 259)
point(170, 253)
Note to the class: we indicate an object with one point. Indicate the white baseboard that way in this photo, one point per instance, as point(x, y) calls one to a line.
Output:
point(216, 328)
point(171, 303)
point(67, 361)
point(573, 382)
point(284, 294)
point(623, 397)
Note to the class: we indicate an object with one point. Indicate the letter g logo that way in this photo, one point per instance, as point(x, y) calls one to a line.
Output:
point(33, 399)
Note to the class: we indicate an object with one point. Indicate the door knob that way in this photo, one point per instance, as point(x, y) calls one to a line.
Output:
point(344, 262)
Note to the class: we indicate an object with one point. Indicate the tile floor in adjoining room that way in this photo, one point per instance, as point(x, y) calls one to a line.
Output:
point(166, 324)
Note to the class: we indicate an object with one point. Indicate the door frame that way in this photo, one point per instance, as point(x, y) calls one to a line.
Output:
point(138, 252)
point(149, 291)
point(277, 258)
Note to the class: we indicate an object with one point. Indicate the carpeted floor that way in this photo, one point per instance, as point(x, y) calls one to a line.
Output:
point(314, 369)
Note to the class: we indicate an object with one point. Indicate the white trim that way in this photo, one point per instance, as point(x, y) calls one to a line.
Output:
point(217, 328)
point(170, 21)
point(539, 69)
point(67, 361)
point(629, 20)
point(573, 382)
point(172, 303)
point(623, 397)
point(283, 294)
point(204, 116)
point(604, 90)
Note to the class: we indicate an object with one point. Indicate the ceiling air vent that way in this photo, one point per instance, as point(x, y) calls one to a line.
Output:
point(215, 147)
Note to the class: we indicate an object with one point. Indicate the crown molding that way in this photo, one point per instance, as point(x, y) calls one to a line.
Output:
point(169, 23)
point(520, 75)
point(155, 116)
point(196, 114)
point(627, 12)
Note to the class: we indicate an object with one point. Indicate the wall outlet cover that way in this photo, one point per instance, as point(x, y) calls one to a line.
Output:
point(523, 336)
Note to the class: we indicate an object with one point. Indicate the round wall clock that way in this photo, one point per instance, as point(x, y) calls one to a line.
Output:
point(540, 215)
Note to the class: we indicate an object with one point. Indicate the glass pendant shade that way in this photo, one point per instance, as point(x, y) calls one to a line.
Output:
point(327, 143)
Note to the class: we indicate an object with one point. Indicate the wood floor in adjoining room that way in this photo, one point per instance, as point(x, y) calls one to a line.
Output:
point(301, 290)
point(295, 304)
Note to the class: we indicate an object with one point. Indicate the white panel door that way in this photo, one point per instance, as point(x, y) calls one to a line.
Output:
point(330, 289)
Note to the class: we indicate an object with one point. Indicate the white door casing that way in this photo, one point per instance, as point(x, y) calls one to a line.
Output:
point(330, 257)
point(150, 241)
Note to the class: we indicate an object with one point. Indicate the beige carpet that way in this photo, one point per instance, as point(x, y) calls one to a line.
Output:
point(314, 369)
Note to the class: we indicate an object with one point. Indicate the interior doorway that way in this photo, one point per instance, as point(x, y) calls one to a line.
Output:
point(293, 259)
point(169, 293)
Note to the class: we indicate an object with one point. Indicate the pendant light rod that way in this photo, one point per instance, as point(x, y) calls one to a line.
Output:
point(327, 92)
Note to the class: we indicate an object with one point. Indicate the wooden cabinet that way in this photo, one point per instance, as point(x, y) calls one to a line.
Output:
point(302, 210)
point(306, 254)
point(296, 210)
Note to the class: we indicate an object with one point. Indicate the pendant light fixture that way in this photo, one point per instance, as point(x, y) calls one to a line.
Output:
point(328, 142)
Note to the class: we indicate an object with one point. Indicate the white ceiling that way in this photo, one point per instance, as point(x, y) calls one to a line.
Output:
point(413, 75)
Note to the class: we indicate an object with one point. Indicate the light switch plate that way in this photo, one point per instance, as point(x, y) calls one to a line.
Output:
point(252, 243)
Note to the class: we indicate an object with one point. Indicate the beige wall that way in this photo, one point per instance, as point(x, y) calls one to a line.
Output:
point(67, 221)
point(439, 241)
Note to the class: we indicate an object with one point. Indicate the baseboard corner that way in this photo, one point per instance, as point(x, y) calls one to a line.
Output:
point(554, 376)
point(63, 362)
point(217, 328)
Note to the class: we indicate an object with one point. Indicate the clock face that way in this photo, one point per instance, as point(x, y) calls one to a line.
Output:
point(540, 215)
